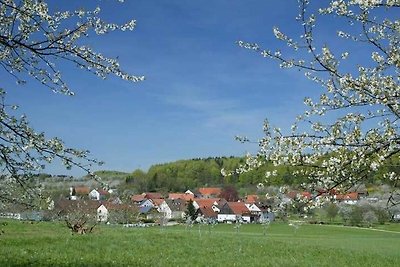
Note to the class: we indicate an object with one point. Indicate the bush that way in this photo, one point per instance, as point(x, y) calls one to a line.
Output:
point(382, 215)
point(370, 218)
point(356, 216)
point(345, 212)
point(332, 211)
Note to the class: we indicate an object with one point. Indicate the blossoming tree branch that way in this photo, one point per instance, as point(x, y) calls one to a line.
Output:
point(350, 131)
point(32, 40)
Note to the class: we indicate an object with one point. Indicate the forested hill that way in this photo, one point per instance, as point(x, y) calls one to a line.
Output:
point(193, 173)
point(188, 174)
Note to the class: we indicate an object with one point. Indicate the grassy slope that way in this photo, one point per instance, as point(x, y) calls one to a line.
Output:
point(50, 244)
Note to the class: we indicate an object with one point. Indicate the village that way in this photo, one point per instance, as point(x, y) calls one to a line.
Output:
point(208, 202)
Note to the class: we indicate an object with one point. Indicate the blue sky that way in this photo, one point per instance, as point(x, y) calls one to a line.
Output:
point(200, 91)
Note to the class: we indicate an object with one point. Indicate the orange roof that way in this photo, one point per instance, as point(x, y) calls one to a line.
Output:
point(348, 196)
point(183, 196)
point(206, 202)
point(208, 212)
point(82, 190)
point(152, 195)
point(251, 198)
point(158, 201)
point(207, 191)
point(137, 198)
point(238, 207)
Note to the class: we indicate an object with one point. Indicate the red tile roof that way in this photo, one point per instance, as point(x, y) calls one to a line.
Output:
point(206, 202)
point(251, 199)
point(152, 195)
point(207, 212)
point(209, 191)
point(183, 196)
point(137, 198)
point(81, 190)
point(238, 208)
point(158, 201)
point(348, 196)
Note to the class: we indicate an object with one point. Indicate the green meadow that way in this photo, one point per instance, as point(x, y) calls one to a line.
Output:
point(51, 244)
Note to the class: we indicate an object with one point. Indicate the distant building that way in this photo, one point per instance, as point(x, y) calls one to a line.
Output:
point(209, 192)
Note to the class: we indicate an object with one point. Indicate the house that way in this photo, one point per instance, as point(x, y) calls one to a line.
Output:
point(94, 195)
point(98, 194)
point(102, 213)
point(208, 202)
point(361, 189)
point(149, 212)
point(348, 198)
point(178, 208)
point(234, 212)
point(78, 192)
point(209, 192)
point(162, 207)
point(255, 211)
point(146, 203)
point(266, 214)
point(208, 208)
point(207, 213)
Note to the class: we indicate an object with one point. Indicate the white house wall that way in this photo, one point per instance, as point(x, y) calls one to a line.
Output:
point(165, 209)
point(102, 214)
point(94, 194)
point(227, 217)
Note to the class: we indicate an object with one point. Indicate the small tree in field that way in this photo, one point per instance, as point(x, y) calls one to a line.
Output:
point(332, 211)
point(356, 216)
point(382, 215)
point(345, 211)
point(34, 41)
point(370, 218)
point(80, 216)
point(350, 131)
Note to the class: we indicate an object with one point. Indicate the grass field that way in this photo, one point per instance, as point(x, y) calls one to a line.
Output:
point(51, 244)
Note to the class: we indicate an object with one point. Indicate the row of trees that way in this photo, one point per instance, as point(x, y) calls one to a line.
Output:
point(184, 174)
point(362, 214)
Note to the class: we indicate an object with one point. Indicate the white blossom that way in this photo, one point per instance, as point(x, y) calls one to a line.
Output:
point(32, 40)
point(359, 133)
